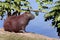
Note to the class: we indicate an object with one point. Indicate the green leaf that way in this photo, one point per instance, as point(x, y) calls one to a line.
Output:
point(55, 7)
point(58, 25)
point(17, 1)
point(0, 8)
point(0, 13)
point(25, 6)
point(7, 5)
point(48, 3)
point(40, 7)
point(37, 0)
point(45, 11)
point(47, 0)
point(57, 2)
point(44, 0)
point(45, 7)
point(8, 0)
point(47, 15)
point(57, 18)
point(23, 0)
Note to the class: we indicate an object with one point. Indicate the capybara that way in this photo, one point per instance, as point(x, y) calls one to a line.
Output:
point(17, 23)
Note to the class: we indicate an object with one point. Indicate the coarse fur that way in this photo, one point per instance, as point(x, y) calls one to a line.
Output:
point(17, 23)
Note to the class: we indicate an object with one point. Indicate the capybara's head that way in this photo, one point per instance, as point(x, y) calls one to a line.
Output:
point(31, 16)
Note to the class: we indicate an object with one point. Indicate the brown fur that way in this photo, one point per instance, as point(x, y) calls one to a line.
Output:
point(17, 23)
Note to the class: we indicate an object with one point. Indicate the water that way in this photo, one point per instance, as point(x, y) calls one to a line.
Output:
point(39, 26)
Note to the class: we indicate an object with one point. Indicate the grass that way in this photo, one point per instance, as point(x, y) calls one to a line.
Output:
point(17, 37)
point(22, 36)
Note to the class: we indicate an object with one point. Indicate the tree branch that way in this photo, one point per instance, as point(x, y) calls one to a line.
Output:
point(32, 10)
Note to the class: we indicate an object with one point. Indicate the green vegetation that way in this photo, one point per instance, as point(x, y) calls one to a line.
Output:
point(54, 14)
point(16, 37)
point(22, 6)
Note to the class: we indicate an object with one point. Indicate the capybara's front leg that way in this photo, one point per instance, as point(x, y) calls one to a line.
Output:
point(23, 29)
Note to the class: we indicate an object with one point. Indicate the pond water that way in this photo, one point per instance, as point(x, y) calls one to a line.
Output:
point(39, 26)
